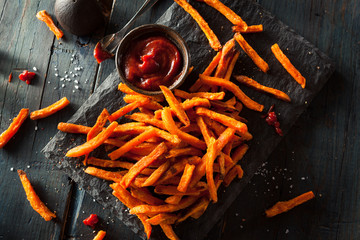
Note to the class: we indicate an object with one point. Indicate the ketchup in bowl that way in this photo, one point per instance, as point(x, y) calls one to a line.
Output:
point(152, 61)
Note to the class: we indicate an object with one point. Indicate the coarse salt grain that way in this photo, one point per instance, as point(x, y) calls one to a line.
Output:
point(12, 169)
point(76, 81)
point(35, 69)
point(63, 85)
point(76, 87)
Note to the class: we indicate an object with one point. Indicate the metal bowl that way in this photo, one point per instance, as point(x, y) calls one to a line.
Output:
point(153, 30)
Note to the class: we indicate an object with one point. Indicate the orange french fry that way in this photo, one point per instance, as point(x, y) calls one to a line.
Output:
point(196, 210)
point(213, 64)
point(250, 29)
point(172, 190)
point(34, 199)
point(53, 108)
point(227, 12)
point(100, 235)
point(98, 127)
point(237, 155)
point(146, 111)
point(213, 40)
point(174, 169)
point(125, 89)
point(173, 129)
point(132, 143)
point(142, 164)
point(207, 95)
point(152, 105)
point(221, 160)
point(285, 206)
point(45, 17)
point(163, 218)
point(142, 149)
point(10, 77)
point(128, 108)
point(209, 167)
point(103, 174)
point(185, 178)
point(167, 228)
point(176, 152)
point(175, 105)
point(175, 199)
point(248, 102)
point(191, 128)
point(252, 83)
point(289, 67)
point(227, 55)
point(231, 66)
point(230, 176)
point(166, 208)
point(89, 146)
point(143, 194)
point(227, 121)
point(207, 134)
point(14, 127)
point(141, 117)
point(251, 53)
point(152, 179)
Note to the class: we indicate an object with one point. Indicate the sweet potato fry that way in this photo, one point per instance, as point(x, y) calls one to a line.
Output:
point(132, 143)
point(176, 152)
point(209, 69)
point(98, 127)
point(185, 178)
point(152, 105)
point(53, 108)
point(174, 199)
point(34, 199)
point(152, 179)
point(211, 155)
point(285, 206)
point(103, 174)
point(251, 53)
point(10, 77)
point(227, 121)
point(172, 190)
point(125, 89)
point(142, 164)
point(230, 176)
point(14, 127)
point(175, 106)
point(173, 129)
point(213, 40)
point(250, 29)
point(166, 208)
point(163, 218)
point(227, 55)
point(167, 228)
point(100, 235)
point(227, 12)
point(45, 17)
point(289, 67)
point(143, 194)
point(128, 108)
point(237, 155)
point(207, 95)
point(141, 117)
point(89, 146)
point(248, 102)
point(191, 128)
point(205, 131)
point(231, 66)
point(142, 149)
point(196, 210)
point(175, 169)
point(252, 83)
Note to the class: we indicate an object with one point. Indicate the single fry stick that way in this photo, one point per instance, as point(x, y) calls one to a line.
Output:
point(14, 127)
point(175, 105)
point(141, 117)
point(152, 105)
point(152, 179)
point(237, 155)
point(196, 210)
point(173, 129)
point(10, 77)
point(251, 53)
point(103, 174)
point(34, 199)
point(207, 95)
point(128, 108)
point(45, 17)
point(227, 54)
point(163, 218)
point(149, 209)
point(213, 64)
point(248, 102)
point(176, 152)
point(125, 89)
point(289, 67)
point(231, 66)
point(230, 176)
point(168, 230)
point(142, 164)
point(53, 108)
point(285, 206)
point(174, 199)
point(213, 40)
point(191, 128)
point(172, 190)
point(227, 121)
point(205, 131)
point(185, 178)
point(210, 158)
point(227, 12)
point(221, 161)
point(250, 29)
point(100, 235)
point(98, 127)
point(142, 149)
point(89, 146)
point(143, 194)
point(132, 143)
point(252, 83)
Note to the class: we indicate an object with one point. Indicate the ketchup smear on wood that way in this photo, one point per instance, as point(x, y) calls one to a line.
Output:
point(91, 220)
point(272, 120)
point(27, 76)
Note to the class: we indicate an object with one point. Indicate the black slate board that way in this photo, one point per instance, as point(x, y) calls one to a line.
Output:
point(314, 65)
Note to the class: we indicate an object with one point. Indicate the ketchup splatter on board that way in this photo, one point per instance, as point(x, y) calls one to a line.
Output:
point(27, 76)
point(272, 120)
point(91, 221)
point(100, 54)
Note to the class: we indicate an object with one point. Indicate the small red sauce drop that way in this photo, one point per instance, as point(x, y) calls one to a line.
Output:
point(100, 54)
point(272, 120)
point(91, 220)
point(27, 76)
point(152, 61)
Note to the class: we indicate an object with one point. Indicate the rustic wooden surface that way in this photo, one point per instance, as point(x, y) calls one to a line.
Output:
point(320, 153)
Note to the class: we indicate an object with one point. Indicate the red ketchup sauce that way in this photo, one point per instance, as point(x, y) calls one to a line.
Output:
point(151, 62)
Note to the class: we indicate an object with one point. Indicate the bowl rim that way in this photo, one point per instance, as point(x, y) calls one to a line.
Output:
point(166, 31)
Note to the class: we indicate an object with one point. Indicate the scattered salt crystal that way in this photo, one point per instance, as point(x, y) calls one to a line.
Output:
point(48, 82)
point(76, 87)
point(56, 74)
point(73, 91)
point(28, 166)
point(36, 128)
point(62, 79)
point(286, 231)
point(291, 186)
point(73, 75)
point(12, 169)
point(71, 72)
point(236, 214)
point(71, 59)
point(241, 226)
point(65, 72)
point(93, 200)
point(76, 81)
point(55, 69)
point(303, 178)
point(35, 69)
point(55, 88)
point(66, 76)
point(63, 85)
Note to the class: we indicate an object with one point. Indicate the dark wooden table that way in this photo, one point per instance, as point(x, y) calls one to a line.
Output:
point(321, 152)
